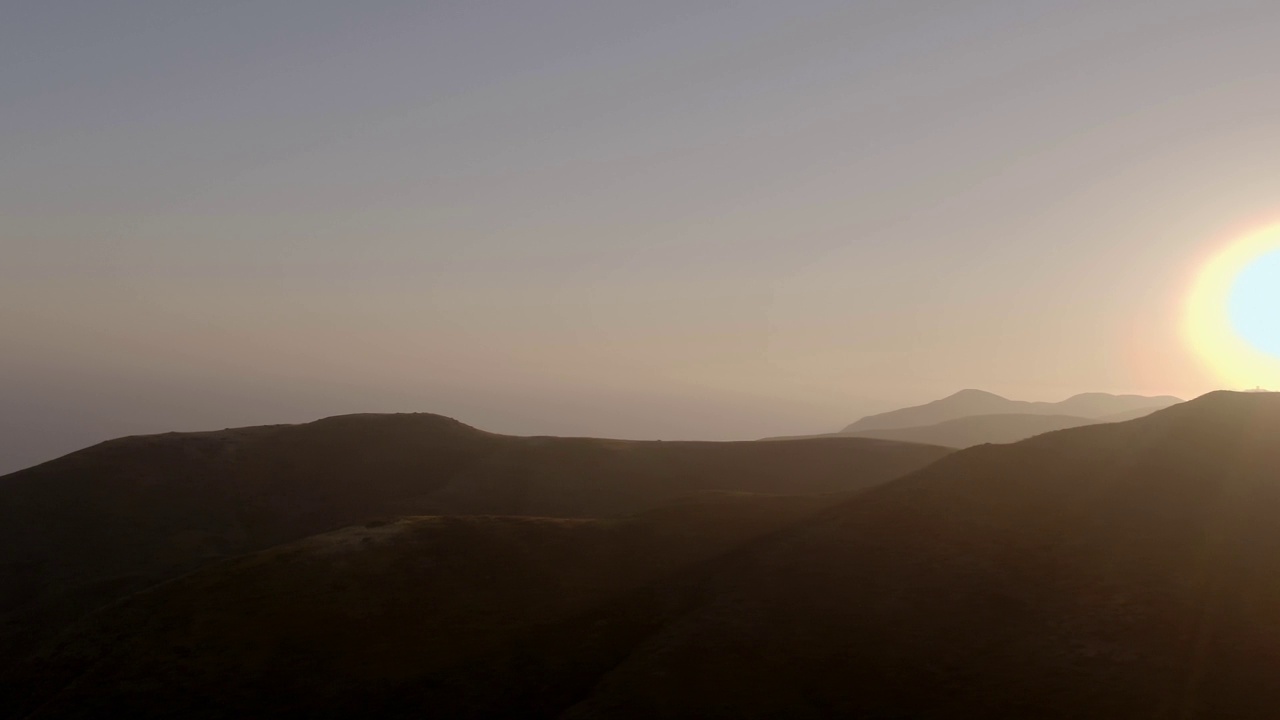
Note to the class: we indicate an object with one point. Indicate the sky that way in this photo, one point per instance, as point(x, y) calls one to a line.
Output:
point(717, 219)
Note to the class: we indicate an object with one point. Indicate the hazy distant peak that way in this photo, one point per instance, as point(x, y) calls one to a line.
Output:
point(1208, 423)
point(1092, 396)
point(972, 394)
point(417, 419)
point(972, 402)
point(1104, 397)
point(387, 416)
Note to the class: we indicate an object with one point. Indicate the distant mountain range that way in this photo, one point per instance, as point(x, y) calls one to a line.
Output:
point(974, 417)
point(967, 403)
point(1115, 570)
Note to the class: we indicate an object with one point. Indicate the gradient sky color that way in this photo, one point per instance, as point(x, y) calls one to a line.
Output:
point(717, 219)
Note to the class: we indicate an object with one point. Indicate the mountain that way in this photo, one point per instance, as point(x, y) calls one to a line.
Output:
point(978, 429)
point(1099, 405)
point(99, 524)
point(1108, 571)
point(968, 403)
point(974, 430)
point(968, 431)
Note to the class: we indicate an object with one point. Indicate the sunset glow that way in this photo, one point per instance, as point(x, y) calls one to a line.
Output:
point(1230, 317)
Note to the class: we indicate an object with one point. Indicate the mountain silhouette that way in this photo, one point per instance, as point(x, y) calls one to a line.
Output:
point(968, 403)
point(99, 524)
point(973, 429)
point(1121, 570)
point(978, 429)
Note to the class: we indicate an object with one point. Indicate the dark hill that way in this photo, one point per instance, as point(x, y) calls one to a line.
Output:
point(968, 403)
point(1109, 571)
point(392, 618)
point(115, 518)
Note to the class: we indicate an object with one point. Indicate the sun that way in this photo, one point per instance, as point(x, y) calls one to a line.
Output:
point(1232, 319)
point(1254, 303)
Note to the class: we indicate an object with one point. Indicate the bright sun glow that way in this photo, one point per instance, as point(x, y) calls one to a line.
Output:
point(1233, 312)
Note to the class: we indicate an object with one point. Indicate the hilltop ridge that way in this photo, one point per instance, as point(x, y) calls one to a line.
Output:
point(98, 524)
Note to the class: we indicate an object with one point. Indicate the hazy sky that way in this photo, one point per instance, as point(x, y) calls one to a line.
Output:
point(719, 219)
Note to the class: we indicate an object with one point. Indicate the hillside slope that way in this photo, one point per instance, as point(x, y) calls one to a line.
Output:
point(115, 518)
point(1109, 571)
point(398, 617)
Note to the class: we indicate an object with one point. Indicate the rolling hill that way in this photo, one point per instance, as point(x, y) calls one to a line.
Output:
point(354, 622)
point(99, 524)
point(1109, 571)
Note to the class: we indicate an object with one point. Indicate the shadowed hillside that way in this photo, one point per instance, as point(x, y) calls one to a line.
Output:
point(968, 403)
point(118, 517)
point(1108, 571)
point(396, 616)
